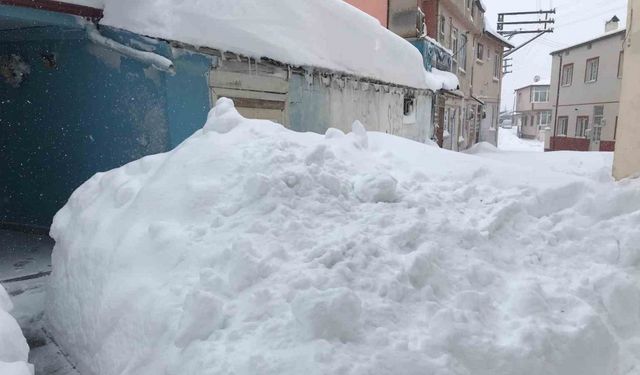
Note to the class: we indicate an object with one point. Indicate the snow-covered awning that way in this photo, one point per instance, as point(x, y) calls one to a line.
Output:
point(327, 34)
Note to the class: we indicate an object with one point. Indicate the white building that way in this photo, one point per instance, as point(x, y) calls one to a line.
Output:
point(533, 109)
point(585, 92)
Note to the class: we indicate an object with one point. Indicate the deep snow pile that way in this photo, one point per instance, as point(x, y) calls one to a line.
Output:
point(329, 34)
point(251, 249)
point(14, 350)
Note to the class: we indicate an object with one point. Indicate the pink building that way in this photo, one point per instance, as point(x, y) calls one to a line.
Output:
point(376, 8)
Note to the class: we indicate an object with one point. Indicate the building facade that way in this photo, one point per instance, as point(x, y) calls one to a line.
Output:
point(470, 114)
point(627, 155)
point(487, 84)
point(375, 8)
point(533, 111)
point(453, 37)
point(585, 93)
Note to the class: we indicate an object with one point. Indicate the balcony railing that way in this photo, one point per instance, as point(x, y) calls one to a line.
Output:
point(433, 54)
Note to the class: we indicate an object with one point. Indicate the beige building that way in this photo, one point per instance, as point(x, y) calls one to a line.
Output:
point(627, 156)
point(487, 83)
point(585, 91)
point(470, 114)
point(533, 114)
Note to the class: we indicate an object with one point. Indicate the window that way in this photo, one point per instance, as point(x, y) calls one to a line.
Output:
point(598, 115)
point(463, 52)
point(544, 119)
point(409, 105)
point(442, 29)
point(581, 126)
point(480, 52)
point(598, 121)
point(567, 75)
point(525, 120)
point(620, 64)
point(591, 73)
point(563, 125)
point(497, 65)
point(454, 48)
point(540, 94)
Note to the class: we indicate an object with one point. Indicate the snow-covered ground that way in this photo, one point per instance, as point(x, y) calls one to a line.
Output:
point(251, 249)
point(14, 351)
point(508, 141)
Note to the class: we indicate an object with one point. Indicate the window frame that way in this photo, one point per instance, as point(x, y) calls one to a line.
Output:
point(562, 119)
point(563, 81)
point(454, 48)
point(547, 116)
point(587, 75)
point(533, 94)
point(462, 61)
point(497, 65)
point(584, 130)
point(480, 52)
point(442, 30)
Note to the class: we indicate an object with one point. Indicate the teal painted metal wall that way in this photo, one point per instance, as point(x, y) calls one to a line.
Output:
point(94, 111)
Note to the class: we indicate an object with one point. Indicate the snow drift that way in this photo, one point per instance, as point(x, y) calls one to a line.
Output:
point(14, 351)
point(252, 249)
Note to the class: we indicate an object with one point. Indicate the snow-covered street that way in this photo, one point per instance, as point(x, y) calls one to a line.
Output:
point(364, 253)
point(319, 187)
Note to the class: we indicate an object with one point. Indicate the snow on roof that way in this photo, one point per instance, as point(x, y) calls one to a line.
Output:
point(329, 34)
point(98, 4)
point(442, 80)
point(541, 82)
point(491, 31)
point(595, 39)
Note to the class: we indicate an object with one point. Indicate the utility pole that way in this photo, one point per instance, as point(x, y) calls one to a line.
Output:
point(538, 22)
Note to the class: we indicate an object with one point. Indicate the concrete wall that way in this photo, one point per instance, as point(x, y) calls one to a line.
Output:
point(319, 102)
point(375, 8)
point(579, 98)
point(627, 157)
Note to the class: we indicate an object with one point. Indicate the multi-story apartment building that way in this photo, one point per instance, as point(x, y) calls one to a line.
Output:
point(487, 83)
point(585, 92)
point(533, 109)
point(456, 39)
point(627, 157)
point(469, 115)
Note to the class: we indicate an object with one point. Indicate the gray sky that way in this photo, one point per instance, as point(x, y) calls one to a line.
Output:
point(576, 21)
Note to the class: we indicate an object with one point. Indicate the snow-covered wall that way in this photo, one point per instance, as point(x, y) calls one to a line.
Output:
point(320, 102)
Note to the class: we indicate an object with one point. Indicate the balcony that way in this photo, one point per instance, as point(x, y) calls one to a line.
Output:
point(433, 53)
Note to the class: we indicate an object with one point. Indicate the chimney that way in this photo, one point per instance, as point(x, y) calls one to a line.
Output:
point(612, 24)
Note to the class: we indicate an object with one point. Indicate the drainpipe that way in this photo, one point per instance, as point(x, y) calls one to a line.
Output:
point(555, 121)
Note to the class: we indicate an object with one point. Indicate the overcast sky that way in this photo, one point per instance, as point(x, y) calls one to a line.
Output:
point(576, 21)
